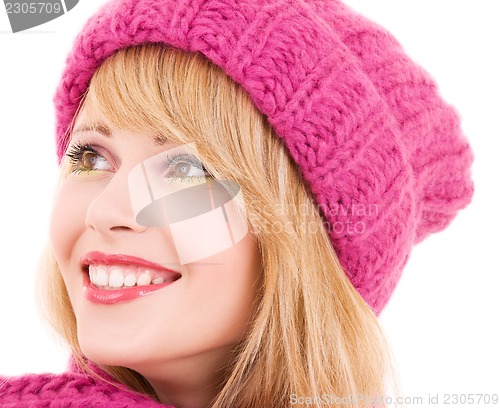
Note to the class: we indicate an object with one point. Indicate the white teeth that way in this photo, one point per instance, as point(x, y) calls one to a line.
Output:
point(144, 279)
point(116, 278)
point(130, 280)
point(101, 276)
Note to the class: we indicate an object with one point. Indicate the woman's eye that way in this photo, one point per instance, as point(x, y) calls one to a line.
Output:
point(185, 167)
point(86, 158)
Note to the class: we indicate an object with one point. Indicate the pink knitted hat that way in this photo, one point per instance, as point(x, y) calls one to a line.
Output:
point(382, 153)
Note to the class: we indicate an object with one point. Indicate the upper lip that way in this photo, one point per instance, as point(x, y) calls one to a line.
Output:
point(100, 258)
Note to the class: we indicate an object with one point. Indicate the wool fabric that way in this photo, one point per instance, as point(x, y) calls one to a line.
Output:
point(381, 151)
point(73, 388)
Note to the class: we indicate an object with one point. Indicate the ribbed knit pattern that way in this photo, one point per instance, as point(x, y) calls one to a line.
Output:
point(381, 151)
point(68, 390)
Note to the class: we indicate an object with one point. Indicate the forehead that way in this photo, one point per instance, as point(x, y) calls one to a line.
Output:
point(91, 119)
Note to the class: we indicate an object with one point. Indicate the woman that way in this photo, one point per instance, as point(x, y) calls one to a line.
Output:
point(332, 150)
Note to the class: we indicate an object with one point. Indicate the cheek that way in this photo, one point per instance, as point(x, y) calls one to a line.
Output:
point(225, 296)
point(67, 220)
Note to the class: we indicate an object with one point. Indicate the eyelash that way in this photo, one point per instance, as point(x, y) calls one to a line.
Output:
point(77, 151)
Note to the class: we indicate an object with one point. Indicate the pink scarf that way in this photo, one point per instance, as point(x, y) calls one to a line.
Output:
point(72, 389)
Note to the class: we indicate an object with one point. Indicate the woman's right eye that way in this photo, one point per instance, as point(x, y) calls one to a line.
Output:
point(86, 158)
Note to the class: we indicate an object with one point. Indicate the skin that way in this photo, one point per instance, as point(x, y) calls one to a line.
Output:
point(179, 338)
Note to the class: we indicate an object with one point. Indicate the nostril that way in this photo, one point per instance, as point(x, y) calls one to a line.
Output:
point(120, 228)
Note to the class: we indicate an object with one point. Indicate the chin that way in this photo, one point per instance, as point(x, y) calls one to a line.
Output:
point(107, 347)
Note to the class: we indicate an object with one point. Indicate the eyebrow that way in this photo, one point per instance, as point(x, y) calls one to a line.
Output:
point(94, 127)
point(101, 128)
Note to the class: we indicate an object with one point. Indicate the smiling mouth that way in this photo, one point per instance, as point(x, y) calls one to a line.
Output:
point(124, 275)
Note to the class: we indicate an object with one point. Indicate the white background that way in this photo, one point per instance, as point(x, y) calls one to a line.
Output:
point(443, 319)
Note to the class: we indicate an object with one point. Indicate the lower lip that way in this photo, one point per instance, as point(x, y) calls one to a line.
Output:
point(109, 297)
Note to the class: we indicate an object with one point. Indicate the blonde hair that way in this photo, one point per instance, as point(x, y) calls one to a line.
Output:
point(313, 334)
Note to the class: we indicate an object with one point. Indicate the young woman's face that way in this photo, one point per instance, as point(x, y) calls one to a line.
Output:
point(195, 319)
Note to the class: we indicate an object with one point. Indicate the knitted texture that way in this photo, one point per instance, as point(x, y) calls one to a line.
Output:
point(71, 389)
point(382, 153)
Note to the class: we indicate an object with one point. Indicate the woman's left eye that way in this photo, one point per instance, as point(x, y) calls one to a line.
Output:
point(185, 166)
point(86, 158)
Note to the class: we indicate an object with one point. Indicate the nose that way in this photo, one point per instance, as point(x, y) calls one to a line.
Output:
point(111, 210)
